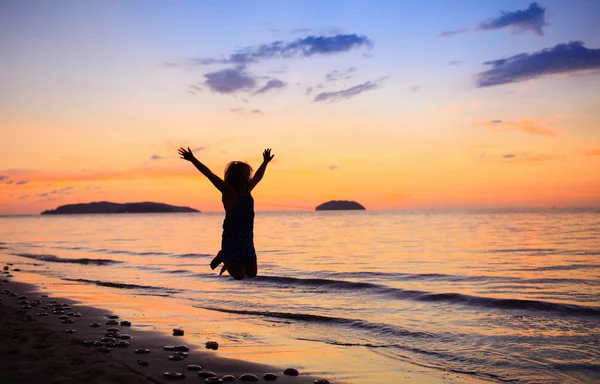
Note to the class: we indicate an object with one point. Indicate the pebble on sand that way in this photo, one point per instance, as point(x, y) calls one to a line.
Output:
point(112, 322)
point(70, 330)
point(113, 330)
point(269, 376)
point(212, 345)
point(228, 378)
point(112, 317)
point(122, 343)
point(126, 323)
point(142, 351)
point(178, 332)
point(206, 374)
point(291, 372)
point(194, 367)
point(248, 377)
point(103, 349)
point(174, 375)
point(321, 381)
point(176, 357)
point(94, 325)
point(181, 348)
point(214, 379)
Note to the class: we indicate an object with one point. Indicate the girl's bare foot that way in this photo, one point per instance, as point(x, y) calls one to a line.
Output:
point(217, 260)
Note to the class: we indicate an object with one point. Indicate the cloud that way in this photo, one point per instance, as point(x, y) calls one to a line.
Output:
point(230, 80)
point(591, 152)
point(2, 177)
point(156, 157)
point(532, 19)
point(308, 90)
point(333, 166)
point(299, 31)
point(256, 111)
point(23, 197)
point(345, 94)
point(453, 32)
point(531, 126)
point(236, 109)
point(271, 84)
point(527, 158)
point(197, 149)
point(562, 58)
point(9, 182)
point(42, 195)
point(303, 47)
point(22, 182)
point(454, 62)
point(336, 75)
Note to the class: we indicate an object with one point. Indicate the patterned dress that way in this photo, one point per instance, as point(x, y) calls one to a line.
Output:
point(237, 243)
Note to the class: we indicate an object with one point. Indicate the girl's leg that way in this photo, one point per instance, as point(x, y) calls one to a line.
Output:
point(217, 260)
point(236, 269)
point(251, 268)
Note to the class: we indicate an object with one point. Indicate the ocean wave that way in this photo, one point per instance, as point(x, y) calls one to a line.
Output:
point(191, 255)
point(451, 297)
point(56, 259)
point(118, 285)
point(381, 329)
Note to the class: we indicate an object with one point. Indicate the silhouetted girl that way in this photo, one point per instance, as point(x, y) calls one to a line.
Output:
point(237, 244)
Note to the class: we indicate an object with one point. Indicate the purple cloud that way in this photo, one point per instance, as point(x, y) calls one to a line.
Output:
point(453, 32)
point(156, 157)
point(256, 111)
point(304, 47)
point(271, 84)
point(2, 177)
point(22, 182)
point(562, 58)
point(345, 94)
point(230, 80)
point(532, 19)
point(339, 75)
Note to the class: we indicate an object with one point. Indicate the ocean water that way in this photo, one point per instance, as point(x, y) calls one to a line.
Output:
point(503, 296)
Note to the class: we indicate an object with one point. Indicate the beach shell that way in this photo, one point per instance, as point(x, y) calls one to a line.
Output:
point(142, 351)
point(126, 323)
point(213, 379)
point(228, 378)
point(212, 345)
point(206, 374)
point(112, 322)
point(270, 376)
point(112, 317)
point(321, 381)
point(176, 357)
point(248, 377)
point(194, 367)
point(122, 343)
point(113, 330)
point(103, 349)
point(178, 332)
point(143, 363)
point(291, 372)
point(94, 325)
point(70, 331)
point(174, 375)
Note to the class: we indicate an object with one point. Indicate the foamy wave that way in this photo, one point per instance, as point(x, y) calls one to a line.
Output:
point(56, 259)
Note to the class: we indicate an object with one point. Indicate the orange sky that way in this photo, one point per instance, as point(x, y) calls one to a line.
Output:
point(94, 114)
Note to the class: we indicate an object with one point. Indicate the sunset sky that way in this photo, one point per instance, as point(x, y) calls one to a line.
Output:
point(397, 105)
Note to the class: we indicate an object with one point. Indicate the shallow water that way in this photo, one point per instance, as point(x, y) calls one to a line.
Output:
point(498, 295)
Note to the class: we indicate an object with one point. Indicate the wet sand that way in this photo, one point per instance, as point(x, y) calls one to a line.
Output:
point(37, 349)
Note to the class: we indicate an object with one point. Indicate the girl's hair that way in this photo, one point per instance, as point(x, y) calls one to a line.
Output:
point(238, 174)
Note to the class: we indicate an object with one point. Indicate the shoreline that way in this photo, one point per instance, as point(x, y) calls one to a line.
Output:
point(26, 340)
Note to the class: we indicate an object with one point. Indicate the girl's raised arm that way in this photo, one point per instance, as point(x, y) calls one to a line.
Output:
point(216, 180)
point(260, 172)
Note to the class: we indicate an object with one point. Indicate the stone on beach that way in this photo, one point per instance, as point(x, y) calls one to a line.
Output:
point(103, 349)
point(206, 374)
point(122, 343)
point(95, 325)
point(126, 323)
point(142, 351)
point(194, 367)
point(212, 345)
point(248, 377)
point(291, 372)
point(113, 330)
point(70, 331)
point(228, 378)
point(213, 379)
point(270, 376)
point(180, 348)
point(176, 357)
point(112, 317)
point(321, 381)
point(174, 375)
point(178, 332)
point(143, 363)
point(112, 322)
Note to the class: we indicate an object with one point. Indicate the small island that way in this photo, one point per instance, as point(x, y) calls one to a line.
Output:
point(102, 207)
point(340, 205)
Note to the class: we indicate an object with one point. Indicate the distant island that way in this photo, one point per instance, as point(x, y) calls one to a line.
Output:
point(108, 207)
point(340, 205)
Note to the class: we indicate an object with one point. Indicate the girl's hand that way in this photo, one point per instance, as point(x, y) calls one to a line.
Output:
point(267, 155)
point(186, 155)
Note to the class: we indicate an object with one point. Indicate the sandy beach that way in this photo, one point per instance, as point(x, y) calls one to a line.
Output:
point(36, 349)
